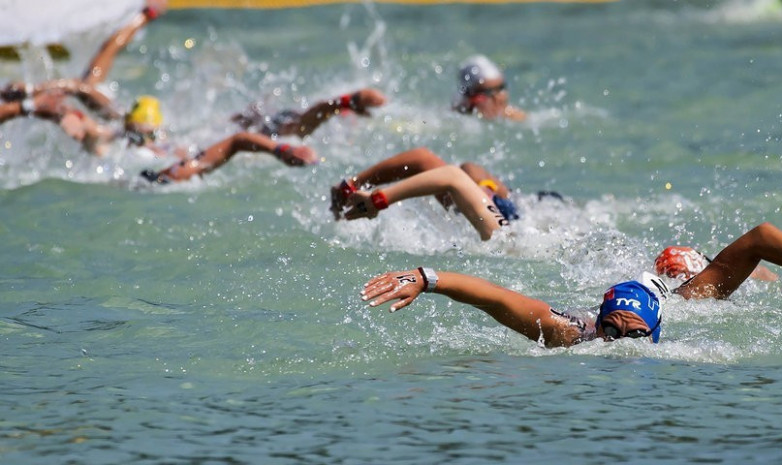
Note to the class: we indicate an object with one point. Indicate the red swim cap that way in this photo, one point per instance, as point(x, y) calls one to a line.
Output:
point(680, 262)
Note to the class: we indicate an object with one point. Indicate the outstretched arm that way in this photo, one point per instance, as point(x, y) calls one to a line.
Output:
point(471, 200)
point(304, 124)
point(358, 102)
point(735, 263)
point(400, 166)
point(101, 64)
point(86, 93)
point(219, 154)
point(50, 106)
point(531, 317)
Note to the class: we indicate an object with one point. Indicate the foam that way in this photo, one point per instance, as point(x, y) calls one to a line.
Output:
point(22, 21)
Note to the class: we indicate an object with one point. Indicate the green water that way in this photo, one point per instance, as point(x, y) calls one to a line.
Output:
point(218, 321)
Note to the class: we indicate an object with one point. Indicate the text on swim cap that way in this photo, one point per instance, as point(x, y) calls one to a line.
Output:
point(631, 302)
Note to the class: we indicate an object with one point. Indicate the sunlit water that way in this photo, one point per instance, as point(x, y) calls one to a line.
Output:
point(218, 321)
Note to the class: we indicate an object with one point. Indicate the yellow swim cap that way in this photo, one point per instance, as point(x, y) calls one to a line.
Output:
point(145, 110)
point(490, 184)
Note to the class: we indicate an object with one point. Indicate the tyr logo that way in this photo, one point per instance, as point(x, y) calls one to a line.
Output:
point(631, 302)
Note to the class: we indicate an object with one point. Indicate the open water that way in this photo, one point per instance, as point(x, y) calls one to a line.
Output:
point(219, 322)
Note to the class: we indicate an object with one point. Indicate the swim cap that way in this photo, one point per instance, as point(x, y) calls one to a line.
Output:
point(680, 262)
point(145, 110)
point(474, 71)
point(655, 284)
point(506, 207)
point(633, 297)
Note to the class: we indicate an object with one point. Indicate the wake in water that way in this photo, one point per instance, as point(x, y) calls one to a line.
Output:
point(581, 242)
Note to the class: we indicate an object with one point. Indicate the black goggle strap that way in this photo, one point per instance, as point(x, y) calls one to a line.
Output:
point(649, 332)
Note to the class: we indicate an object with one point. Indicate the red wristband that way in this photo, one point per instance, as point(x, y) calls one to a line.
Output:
point(150, 13)
point(346, 102)
point(280, 149)
point(379, 200)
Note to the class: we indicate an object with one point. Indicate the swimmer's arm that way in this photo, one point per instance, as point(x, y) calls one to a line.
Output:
point(11, 110)
point(44, 106)
point(515, 114)
point(319, 113)
point(101, 64)
point(528, 316)
point(87, 93)
point(469, 198)
point(735, 263)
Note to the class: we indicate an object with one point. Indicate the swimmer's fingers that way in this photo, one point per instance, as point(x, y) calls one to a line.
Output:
point(366, 98)
point(403, 286)
point(298, 156)
point(337, 202)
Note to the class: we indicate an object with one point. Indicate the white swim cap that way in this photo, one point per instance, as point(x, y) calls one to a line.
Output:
point(474, 71)
point(655, 284)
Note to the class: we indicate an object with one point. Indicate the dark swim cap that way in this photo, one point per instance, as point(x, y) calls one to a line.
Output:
point(506, 207)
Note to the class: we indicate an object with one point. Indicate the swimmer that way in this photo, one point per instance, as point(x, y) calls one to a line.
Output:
point(483, 91)
point(218, 154)
point(302, 124)
point(85, 88)
point(93, 135)
point(142, 129)
point(681, 262)
point(480, 196)
point(629, 309)
point(141, 126)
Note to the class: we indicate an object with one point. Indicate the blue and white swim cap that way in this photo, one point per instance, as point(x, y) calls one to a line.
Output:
point(632, 296)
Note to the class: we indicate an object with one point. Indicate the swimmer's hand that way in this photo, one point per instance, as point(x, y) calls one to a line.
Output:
point(361, 206)
point(403, 286)
point(366, 98)
point(155, 8)
point(296, 156)
point(339, 197)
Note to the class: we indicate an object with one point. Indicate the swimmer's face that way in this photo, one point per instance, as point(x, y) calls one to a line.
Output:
point(489, 98)
point(610, 333)
point(140, 134)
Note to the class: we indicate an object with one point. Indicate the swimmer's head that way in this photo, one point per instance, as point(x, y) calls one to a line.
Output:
point(477, 73)
point(145, 113)
point(631, 309)
point(680, 262)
